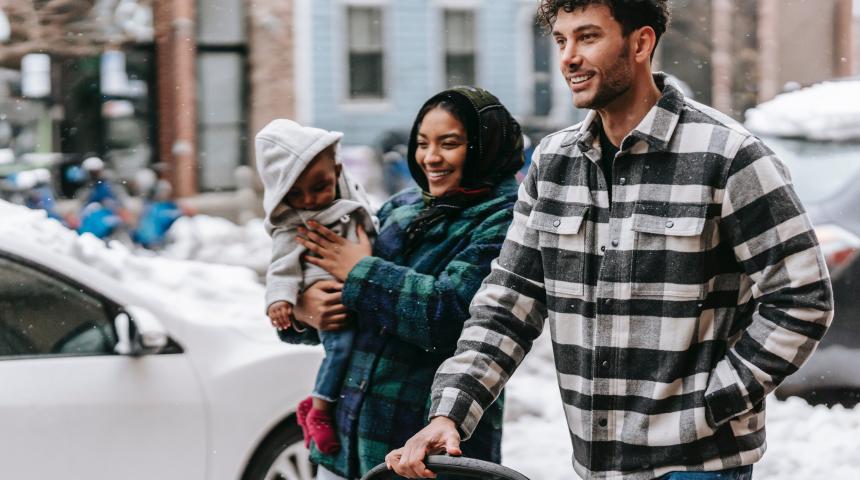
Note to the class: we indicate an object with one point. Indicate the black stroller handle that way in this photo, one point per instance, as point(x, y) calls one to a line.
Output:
point(468, 467)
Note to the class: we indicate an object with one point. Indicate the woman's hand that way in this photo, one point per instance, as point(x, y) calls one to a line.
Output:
point(320, 306)
point(331, 252)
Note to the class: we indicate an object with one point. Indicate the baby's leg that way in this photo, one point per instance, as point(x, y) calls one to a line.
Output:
point(321, 404)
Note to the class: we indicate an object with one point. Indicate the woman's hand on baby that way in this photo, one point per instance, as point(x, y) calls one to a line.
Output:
point(279, 313)
point(320, 306)
point(331, 252)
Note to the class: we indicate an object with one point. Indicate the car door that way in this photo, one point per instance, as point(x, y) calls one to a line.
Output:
point(72, 408)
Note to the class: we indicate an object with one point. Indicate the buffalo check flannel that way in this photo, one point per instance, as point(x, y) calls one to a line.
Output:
point(673, 311)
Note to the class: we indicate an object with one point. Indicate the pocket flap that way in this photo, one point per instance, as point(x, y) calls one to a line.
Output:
point(553, 217)
point(664, 218)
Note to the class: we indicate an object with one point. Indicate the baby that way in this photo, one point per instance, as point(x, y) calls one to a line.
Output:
point(304, 180)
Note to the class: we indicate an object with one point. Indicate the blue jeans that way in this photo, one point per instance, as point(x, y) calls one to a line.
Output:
point(739, 473)
point(337, 347)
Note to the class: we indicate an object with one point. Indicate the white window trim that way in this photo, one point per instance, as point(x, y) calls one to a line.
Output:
point(341, 67)
point(457, 4)
point(525, 58)
point(438, 39)
point(303, 73)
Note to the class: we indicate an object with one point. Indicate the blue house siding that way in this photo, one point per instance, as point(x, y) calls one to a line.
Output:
point(497, 40)
point(413, 63)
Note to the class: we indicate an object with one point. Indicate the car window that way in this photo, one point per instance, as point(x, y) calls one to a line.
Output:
point(43, 316)
point(819, 170)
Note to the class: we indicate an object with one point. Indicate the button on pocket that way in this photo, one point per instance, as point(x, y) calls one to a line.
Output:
point(561, 231)
point(670, 246)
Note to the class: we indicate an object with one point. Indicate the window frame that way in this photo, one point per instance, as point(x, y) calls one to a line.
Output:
point(444, 10)
point(342, 71)
point(209, 44)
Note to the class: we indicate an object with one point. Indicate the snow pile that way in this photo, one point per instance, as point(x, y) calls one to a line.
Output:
point(216, 240)
point(204, 292)
point(827, 111)
point(803, 441)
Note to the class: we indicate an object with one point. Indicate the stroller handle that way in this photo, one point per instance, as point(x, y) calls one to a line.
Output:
point(465, 466)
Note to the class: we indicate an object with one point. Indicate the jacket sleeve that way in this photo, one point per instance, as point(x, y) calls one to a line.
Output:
point(284, 276)
point(791, 296)
point(425, 310)
point(507, 314)
point(307, 336)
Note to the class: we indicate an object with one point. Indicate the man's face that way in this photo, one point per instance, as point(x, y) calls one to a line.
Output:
point(594, 56)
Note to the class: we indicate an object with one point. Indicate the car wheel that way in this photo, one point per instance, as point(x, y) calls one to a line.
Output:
point(282, 456)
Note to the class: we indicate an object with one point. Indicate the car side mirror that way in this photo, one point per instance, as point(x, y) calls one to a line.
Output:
point(139, 332)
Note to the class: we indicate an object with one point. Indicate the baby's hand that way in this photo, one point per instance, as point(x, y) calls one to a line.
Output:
point(280, 313)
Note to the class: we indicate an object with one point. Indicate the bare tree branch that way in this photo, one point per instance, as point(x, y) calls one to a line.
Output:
point(61, 27)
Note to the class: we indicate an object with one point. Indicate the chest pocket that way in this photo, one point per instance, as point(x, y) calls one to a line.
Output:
point(671, 246)
point(561, 231)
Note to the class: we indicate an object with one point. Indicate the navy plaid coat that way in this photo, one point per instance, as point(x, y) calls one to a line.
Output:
point(409, 309)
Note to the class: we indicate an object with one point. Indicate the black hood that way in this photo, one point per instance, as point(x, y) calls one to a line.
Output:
point(494, 138)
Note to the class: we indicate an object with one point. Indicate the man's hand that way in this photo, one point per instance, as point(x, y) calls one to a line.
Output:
point(280, 313)
point(440, 435)
point(320, 306)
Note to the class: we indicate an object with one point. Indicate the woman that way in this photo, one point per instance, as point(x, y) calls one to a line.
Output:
point(408, 297)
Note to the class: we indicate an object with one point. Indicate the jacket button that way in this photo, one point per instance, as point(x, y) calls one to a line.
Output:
point(622, 181)
point(556, 223)
point(602, 422)
point(670, 224)
point(615, 243)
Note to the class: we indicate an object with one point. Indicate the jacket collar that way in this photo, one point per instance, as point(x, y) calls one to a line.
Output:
point(656, 129)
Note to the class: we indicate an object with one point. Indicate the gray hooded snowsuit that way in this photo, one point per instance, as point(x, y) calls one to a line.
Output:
point(284, 149)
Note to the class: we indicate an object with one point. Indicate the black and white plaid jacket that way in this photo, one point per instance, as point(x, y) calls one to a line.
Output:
point(674, 310)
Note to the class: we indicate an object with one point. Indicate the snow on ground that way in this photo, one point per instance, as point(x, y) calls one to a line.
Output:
point(804, 441)
point(820, 112)
point(200, 291)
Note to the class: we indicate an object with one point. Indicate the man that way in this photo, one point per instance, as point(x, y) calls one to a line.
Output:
point(680, 276)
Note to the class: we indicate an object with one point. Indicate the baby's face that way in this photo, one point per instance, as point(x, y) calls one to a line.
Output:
point(316, 187)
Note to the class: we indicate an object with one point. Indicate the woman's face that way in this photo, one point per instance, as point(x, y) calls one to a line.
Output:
point(441, 151)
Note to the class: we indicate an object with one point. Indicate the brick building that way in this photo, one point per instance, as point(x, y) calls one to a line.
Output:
point(225, 69)
point(737, 53)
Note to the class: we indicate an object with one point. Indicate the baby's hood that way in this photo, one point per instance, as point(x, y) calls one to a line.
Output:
point(283, 151)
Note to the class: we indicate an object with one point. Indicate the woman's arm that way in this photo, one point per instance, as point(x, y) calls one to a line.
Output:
point(426, 310)
point(318, 308)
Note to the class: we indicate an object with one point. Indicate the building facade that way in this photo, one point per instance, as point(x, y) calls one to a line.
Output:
point(364, 67)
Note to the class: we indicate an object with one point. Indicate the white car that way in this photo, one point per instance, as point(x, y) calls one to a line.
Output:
point(97, 382)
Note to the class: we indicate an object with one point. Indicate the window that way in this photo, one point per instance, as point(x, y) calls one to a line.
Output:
point(221, 121)
point(459, 47)
point(366, 75)
point(221, 70)
point(42, 316)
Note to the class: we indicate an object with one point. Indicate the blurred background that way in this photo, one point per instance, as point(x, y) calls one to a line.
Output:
point(183, 85)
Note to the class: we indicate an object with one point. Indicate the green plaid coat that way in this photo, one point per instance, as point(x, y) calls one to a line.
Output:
point(409, 310)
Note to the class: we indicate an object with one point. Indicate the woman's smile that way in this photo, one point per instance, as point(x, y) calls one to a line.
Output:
point(441, 151)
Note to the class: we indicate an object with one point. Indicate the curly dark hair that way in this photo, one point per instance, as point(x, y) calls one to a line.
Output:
point(631, 14)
